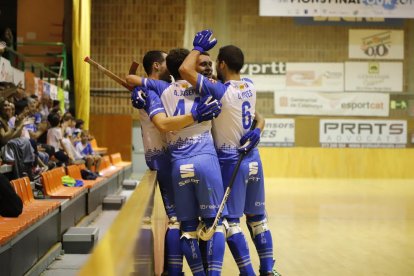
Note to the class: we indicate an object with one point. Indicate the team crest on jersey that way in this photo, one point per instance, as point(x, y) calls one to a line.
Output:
point(241, 86)
point(185, 85)
point(253, 168)
point(187, 170)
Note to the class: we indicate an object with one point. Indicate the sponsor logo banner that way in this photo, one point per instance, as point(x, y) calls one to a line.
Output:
point(376, 44)
point(374, 76)
point(266, 77)
point(363, 133)
point(349, 21)
point(18, 77)
point(325, 77)
point(340, 104)
point(278, 133)
point(340, 8)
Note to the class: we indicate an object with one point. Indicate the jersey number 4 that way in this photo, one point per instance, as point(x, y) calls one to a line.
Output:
point(180, 109)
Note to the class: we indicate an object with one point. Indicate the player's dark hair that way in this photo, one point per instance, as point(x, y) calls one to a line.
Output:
point(149, 59)
point(232, 56)
point(174, 60)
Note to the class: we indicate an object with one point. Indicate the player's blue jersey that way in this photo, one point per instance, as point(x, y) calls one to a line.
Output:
point(237, 113)
point(179, 98)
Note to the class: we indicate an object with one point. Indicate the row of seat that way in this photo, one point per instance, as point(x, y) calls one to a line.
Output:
point(34, 210)
point(52, 183)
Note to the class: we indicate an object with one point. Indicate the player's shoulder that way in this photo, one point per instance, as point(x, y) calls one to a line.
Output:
point(247, 80)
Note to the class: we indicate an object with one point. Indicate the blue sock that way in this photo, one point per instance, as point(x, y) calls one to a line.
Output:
point(189, 247)
point(173, 252)
point(203, 249)
point(264, 245)
point(239, 248)
point(215, 249)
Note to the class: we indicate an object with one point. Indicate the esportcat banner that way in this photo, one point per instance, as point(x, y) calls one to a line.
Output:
point(278, 132)
point(332, 104)
point(339, 133)
point(376, 44)
point(341, 8)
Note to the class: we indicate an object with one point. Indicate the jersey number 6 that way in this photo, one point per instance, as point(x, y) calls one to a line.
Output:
point(246, 116)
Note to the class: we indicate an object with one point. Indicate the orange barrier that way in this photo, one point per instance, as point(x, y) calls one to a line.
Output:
point(53, 187)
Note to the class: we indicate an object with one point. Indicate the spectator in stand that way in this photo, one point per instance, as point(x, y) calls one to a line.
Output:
point(79, 123)
point(85, 149)
point(8, 38)
point(55, 137)
point(7, 133)
point(56, 107)
point(12, 116)
point(45, 105)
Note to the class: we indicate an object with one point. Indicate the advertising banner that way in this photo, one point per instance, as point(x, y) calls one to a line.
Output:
point(363, 133)
point(30, 82)
point(18, 77)
point(278, 133)
point(53, 92)
point(340, 8)
point(350, 21)
point(333, 104)
point(266, 77)
point(6, 70)
point(374, 76)
point(324, 77)
point(376, 44)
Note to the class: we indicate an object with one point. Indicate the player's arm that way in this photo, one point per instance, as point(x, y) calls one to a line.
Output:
point(203, 112)
point(164, 123)
point(134, 80)
point(188, 68)
point(260, 121)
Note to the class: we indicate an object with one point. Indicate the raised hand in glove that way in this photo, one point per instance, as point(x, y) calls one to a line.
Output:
point(138, 97)
point(249, 141)
point(206, 110)
point(202, 41)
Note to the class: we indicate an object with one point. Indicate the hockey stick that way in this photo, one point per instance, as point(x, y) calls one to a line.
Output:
point(204, 234)
point(109, 73)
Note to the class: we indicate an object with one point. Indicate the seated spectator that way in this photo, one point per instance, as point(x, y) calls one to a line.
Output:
point(85, 149)
point(45, 105)
point(54, 138)
point(7, 133)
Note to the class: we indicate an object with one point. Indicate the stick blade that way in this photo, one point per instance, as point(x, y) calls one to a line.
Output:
point(206, 234)
point(133, 68)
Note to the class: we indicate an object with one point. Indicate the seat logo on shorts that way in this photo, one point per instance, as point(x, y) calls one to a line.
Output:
point(253, 168)
point(187, 170)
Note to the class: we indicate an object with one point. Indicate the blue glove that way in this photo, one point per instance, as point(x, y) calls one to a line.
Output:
point(249, 141)
point(202, 42)
point(138, 97)
point(206, 110)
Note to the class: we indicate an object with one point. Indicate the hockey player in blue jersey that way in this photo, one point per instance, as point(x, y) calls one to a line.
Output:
point(231, 132)
point(196, 174)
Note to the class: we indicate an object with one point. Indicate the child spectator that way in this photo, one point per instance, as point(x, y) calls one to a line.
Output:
point(85, 149)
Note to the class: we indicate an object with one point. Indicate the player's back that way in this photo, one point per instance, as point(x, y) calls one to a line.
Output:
point(237, 115)
point(180, 98)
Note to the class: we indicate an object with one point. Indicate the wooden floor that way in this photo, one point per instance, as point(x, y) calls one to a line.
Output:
point(338, 227)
